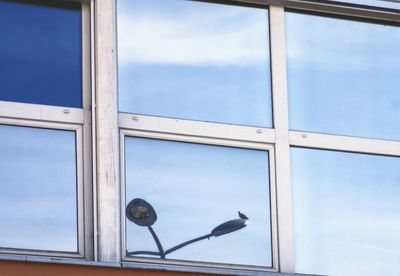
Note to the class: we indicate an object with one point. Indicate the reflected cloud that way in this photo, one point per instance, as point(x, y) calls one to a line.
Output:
point(205, 34)
point(194, 60)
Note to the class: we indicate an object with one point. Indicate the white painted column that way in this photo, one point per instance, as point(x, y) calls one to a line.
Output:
point(281, 124)
point(107, 171)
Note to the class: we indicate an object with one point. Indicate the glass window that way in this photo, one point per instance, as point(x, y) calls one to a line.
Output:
point(194, 188)
point(346, 212)
point(40, 53)
point(343, 76)
point(193, 60)
point(38, 207)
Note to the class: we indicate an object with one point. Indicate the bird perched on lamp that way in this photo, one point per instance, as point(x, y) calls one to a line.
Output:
point(242, 216)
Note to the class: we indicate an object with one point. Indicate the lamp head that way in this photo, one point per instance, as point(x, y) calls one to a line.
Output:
point(140, 212)
point(228, 227)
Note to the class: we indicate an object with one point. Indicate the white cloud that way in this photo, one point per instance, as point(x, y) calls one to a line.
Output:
point(195, 39)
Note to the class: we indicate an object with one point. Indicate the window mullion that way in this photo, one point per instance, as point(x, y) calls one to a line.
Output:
point(107, 177)
point(87, 133)
point(281, 124)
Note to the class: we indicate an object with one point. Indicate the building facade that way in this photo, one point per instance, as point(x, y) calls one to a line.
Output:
point(254, 137)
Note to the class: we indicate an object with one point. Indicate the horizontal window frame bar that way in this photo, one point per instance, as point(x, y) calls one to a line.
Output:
point(24, 253)
point(80, 198)
point(192, 266)
point(344, 9)
point(352, 12)
point(344, 143)
point(40, 124)
point(41, 112)
point(196, 139)
point(66, 4)
point(196, 128)
point(197, 267)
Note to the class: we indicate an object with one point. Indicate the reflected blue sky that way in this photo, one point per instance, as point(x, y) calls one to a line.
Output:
point(343, 76)
point(346, 212)
point(40, 53)
point(194, 188)
point(38, 189)
point(194, 60)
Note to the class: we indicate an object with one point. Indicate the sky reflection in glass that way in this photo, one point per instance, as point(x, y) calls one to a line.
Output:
point(194, 60)
point(343, 76)
point(194, 188)
point(40, 53)
point(38, 189)
point(346, 213)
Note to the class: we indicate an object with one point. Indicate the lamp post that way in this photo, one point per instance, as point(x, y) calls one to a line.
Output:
point(143, 214)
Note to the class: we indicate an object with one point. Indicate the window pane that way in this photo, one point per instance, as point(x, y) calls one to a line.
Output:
point(343, 76)
point(346, 213)
point(193, 189)
point(194, 60)
point(38, 189)
point(40, 53)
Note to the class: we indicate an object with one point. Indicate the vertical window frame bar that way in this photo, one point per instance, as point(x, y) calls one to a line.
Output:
point(87, 130)
point(281, 125)
point(107, 139)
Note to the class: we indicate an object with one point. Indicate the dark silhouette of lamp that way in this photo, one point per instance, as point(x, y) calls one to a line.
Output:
point(140, 212)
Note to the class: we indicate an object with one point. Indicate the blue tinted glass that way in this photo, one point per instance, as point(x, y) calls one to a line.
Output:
point(40, 54)
point(346, 211)
point(38, 189)
point(194, 188)
point(194, 60)
point(343, 76)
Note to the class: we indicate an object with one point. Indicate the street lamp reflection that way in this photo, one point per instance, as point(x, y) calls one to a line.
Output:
point(142, 213)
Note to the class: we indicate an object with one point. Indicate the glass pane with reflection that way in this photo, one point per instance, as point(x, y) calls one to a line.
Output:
point(343, 76)
point(40, 52)
point(38, 189)
point(194, 60)
point(346, 212)
point(194, 188)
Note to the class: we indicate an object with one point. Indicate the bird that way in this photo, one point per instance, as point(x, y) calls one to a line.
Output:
point(242, 216)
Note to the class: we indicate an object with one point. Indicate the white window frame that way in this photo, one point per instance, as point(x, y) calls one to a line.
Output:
point(112, 126)
point(134, 131)
point(77, 120)
point(78, 131)
point(205, 133)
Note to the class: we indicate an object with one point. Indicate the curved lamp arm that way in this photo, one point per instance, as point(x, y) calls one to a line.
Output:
point(179, 246)
point(159, 246)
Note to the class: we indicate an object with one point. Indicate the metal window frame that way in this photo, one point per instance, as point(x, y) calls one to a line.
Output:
point(326, 141)
point(112, 125)
point(72, 119)
point(172, 136)
point(78, 130)
point(207, 133)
